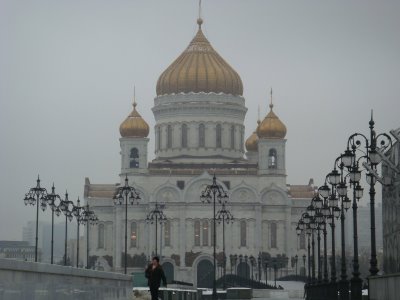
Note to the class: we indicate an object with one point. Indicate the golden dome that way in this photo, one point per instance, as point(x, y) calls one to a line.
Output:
point(199, 69)
point(252, 141)
point(134, 125)
point(271, 127)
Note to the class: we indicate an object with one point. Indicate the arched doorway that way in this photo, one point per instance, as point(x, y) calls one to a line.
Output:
point(243, 270)
point(205, 274)
point(168, 271)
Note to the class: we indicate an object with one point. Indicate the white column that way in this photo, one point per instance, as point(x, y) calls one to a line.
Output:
point(258, 232)
point(182, 239)
point(287, 230)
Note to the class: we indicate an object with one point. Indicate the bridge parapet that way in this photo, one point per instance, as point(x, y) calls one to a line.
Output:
point(37, 281)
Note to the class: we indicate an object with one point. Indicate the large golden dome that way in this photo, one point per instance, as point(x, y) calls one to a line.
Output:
point(271, 127)
point(199, 69)
point(134, 125)
point(252, 141)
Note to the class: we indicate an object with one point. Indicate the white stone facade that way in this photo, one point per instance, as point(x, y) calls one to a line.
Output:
point(265, 208)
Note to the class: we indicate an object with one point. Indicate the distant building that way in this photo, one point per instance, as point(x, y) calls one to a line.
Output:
point(19, 250)
point(44, 237)
point(391, 211)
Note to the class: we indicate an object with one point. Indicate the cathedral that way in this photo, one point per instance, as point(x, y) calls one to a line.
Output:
point(199, 112)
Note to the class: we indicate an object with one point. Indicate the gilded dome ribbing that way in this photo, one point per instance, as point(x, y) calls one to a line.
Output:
point(271, 127)
point(134, 125)
point(199, 69)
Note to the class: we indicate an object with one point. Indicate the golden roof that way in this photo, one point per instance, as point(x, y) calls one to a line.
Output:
point(271, 127)
point(199, 69)
point(252, 141)
point(134, 125)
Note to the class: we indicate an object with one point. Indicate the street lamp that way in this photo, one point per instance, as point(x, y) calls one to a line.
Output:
point(296, 258)
point(88, 218)
point(122, 194)
point(224, 216)
point(66, 207)
point(214, 192)
point(252, 264)
point(77, 211)
point(375, 146)
point(54, 201)
point(32, 197)
point(259, 266)
point(339, 190)
point(156, 216)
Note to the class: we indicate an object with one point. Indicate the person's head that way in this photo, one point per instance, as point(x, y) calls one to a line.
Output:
point(156, 261)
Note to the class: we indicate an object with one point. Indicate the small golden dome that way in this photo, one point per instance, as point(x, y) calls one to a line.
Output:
point(199, 69)
point(271, 127)
point(134, 125)
point(252, 142)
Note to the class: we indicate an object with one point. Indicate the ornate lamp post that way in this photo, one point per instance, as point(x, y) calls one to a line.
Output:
point(156, 216)
point(233, 259)
point(214, 192)
point(246, 258)
point(77, 212)
point(372, 155)
point(224, 216)
point(66, 207)
point(33, 197)
point(252, 264)
point(339, 189)
point(296, 259)
point(122, 195)
point(88, 218)
point(259, 266)
point(53, 200)
point(266, 271)
point(275, 266)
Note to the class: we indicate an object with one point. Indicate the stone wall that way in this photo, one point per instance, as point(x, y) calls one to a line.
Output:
point(384, 287)
point(21, 280)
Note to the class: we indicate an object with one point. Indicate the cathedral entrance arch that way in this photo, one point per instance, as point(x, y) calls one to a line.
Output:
point(169, 271)
point(205, 274)
point(243, 270)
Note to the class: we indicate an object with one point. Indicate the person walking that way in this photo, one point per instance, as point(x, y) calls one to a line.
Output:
point(154, 274)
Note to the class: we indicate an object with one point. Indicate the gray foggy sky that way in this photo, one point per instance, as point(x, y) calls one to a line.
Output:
point(67, 70)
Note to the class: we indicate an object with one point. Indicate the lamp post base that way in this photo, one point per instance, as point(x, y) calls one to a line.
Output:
point(356, 288)
point(343, 286)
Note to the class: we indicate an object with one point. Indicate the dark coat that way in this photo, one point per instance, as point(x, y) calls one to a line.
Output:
point(155, 276)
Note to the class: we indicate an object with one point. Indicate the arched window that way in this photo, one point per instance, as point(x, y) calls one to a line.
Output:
point(134, 156)
point(272, 159)
point(243, 233)
point(167, 233)
point(233, 137)
point(184, 136)
point(134, 236)
point(100, 240)
point(302, 241)
point(197, 233)
point(202, 135)
point(218, 136)
point(205, 233)
point(159, 138)
point(273, 235)
point(169, 136)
